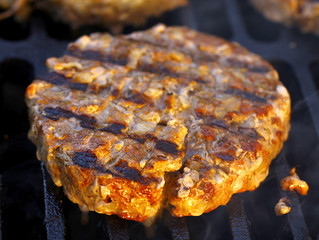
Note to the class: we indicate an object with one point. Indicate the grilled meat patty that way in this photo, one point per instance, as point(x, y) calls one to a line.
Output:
point(164, 117)
point(302, 13)
point(110, 13)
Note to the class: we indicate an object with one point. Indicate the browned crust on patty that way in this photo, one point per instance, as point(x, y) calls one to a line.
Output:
point(113, 14)
point(164, 117)
point(301, 13)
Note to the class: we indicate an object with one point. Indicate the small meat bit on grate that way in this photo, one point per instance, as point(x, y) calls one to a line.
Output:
point(293, 182)
point(283, 207)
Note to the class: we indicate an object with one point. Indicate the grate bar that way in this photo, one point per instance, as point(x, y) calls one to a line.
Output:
point(236, 21)
point(116, 228)
point(41, 44)
point(309, 92)
point(188, 17)
point(238, 218)
point(295, 217)
point(0, 207)
point(178, 228)
point(54, 218)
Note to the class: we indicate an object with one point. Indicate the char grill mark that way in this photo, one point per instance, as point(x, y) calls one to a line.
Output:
point(115, 92)
point(55, 78)
point(226, 151)
point(85, 121)
point(247, 95)
point(78, 86)
point(250, 67)
point(225, 156)
point(142, 139)
point(98, 56)
point(158, 69)
point(85, 159)
point(137, 138)
point(251, 133)
point(130, 173)
point(199, 57)
point(59, 80)
point(135, 97)
point(115, 128)
point(56, 113)
point(200, 80)
point(167, 146)
point(217, 123)
point(122, 60)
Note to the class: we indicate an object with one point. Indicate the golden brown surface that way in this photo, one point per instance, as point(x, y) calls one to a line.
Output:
point(165, 117)
point(302, 13)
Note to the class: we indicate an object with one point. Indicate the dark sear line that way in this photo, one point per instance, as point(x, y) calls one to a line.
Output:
point(59, 80)
point(85, 120)
point(248, 132)
point(57, 113)
point(246, 95)
point(258, 69)
point(85, 159)
point(201, 57)
point(54, 78)
point(122, 60)
point(197, 56)
point(217, 123)
point(132, 174)
point(115, 128)
point(225, 156)
point(97, 56)
point(200, 80)
point(135, 97)
point(157, 69)
point(250, 67)
point(142, 139)
point(88, 159)
point(78, 86)
point(167, 146)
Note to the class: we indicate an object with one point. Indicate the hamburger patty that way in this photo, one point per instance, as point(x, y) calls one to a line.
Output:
point(302, 13)
point(113, 14)
point(164, 117)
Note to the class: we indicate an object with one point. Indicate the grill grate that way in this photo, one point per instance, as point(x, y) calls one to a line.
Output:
point(238, 218)
point(0, 207)
point(54, 216)
point(245, 216)
point(295, 218)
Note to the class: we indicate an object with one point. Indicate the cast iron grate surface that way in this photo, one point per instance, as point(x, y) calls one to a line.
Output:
point(24, 182)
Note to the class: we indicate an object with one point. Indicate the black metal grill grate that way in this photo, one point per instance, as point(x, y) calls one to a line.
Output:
point(23, 51)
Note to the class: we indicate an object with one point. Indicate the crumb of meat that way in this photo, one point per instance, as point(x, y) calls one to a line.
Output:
point(282, 207)
point(294, 183)
point(190, 178)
